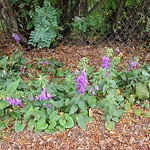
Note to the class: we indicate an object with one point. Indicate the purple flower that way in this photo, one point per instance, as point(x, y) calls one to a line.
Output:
point(81, 83)
point(22, 69)
point(92, 90)
point(16, 38)
point(117, 50)
point(13, 102)
point(44, 62)
point(131, 65)
point(105, 63)
point(43, 95)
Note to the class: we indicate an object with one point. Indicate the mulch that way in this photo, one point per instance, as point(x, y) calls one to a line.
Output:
point(130, 133)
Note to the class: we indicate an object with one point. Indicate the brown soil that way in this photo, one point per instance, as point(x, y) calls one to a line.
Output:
point(130, 133)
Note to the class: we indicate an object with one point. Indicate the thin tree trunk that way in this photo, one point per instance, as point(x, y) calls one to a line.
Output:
point(119, 12)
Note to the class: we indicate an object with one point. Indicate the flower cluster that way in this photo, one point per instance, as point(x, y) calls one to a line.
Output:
point(92, 90)
point(131, 65)
point(13, 102)
point(16, 38)
point(81, 82)
point(105, 63)
point(42, 96)
point(44, 62)
point(4, 73)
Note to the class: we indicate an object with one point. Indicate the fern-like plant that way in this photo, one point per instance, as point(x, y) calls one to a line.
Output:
point(46, 29)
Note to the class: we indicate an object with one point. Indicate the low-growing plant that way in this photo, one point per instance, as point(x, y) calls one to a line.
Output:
point(64, 101)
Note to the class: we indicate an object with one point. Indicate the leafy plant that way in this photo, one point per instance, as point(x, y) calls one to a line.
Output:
point(46, 26)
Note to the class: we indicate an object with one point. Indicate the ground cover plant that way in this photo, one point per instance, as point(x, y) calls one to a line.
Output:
point(66, 99)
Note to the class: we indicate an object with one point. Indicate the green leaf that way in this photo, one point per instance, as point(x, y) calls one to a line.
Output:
point(2, 113)
point(62, 122)
point(145, 73)
point(142, 91)
point(3, 104)
point(109, 125)
point(118, 113)
point(41, 124)
point(12, 87)
point(91, 101)
point(60, 128)
point(73, 109)
point(69, 121)
point(58, 104)
point(3, 62)
point(2, 125)
point(59, 73)
point(31, 124)
point(52, 123)
point(147, 114)
point(137, 112)
point(18, 126)
point(82, 105)
point(82, 121)
point(14, 114)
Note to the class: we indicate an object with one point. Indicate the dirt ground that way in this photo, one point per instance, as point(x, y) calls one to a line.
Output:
point(130, 133)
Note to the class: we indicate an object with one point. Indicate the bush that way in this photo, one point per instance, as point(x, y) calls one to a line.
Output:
point(46, 30)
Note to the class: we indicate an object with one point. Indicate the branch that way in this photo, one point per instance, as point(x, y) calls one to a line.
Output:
point(94, 7)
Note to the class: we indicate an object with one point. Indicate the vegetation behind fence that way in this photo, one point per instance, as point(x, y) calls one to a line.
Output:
point(44, 23)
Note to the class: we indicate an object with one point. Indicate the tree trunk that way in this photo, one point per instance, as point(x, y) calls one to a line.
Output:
point(7, 15)
point(119, 12)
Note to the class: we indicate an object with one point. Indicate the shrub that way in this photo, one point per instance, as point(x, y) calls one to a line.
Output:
point(46, 28)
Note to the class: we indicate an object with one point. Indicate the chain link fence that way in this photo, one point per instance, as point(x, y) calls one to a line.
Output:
point(133, 29)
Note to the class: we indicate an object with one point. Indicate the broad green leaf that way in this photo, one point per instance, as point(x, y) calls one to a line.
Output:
point(3, 62)
point(73, 109)
point(13, 86)
point(60, 128)
point(59, 73)
point(18, 126)
point(142, 91)
point(14, 114)
point(69, 121)
point(91, 101)
point(2, 125)
point(145, 73)
point(109, 125)
point(137, 112)
point(31, 124)
point(58, 104)
point(52, 123)
point(118, 113)
point(49, 131)
point(41, 124)
point(147, 114)
point(82, 121)
point(1, 113)
point(82, 105)
point(62, 122)
point(3, 104)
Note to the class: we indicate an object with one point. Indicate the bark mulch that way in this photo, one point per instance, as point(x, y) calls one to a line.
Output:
point(130, 133)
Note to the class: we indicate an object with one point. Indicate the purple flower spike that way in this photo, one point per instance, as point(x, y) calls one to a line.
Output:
point(81, 83)
point(131, 65)
point(13, 102)
point(105, 63)
point(96, 88)
point(16, 38)
point(44, 95)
